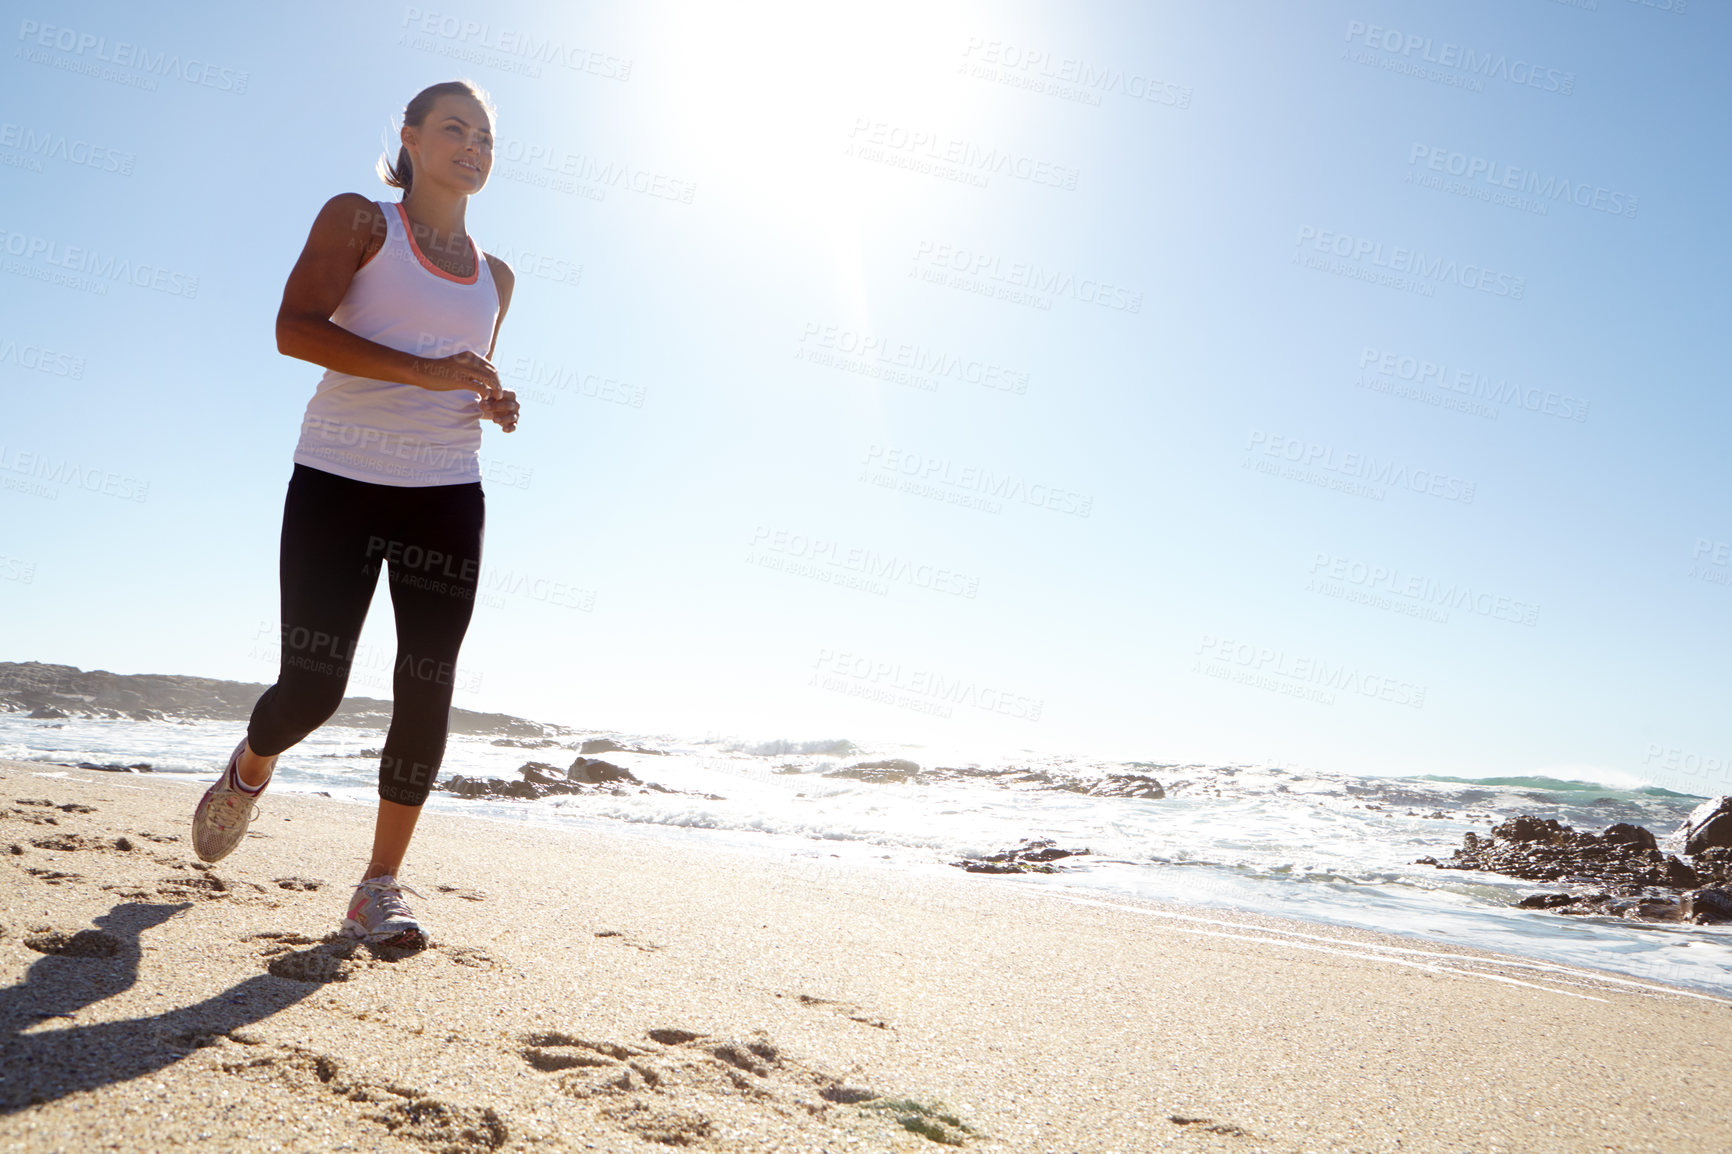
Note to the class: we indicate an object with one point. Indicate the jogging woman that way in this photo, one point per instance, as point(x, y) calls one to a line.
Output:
point(403, 310)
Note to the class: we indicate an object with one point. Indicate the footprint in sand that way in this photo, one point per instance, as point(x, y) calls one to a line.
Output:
point(649, 1084)
point(330, 961)
point(467, 895)
point(204, 887)
point(52, 876)
point(664, 1126)
point(76, 842)
point(1209, 1125)
point(646, 947)
point(82, 944)
point(590, 1067)
point(474, 958)
point(44, 803)
point(281, 941)
point(339, 958)
point(404, 1112)
point(849, 1010)
point(552, 1051)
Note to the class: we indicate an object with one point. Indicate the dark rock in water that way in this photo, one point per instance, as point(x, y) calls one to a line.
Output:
point(45, 712)
point(115, 767)
point(1527, 847)
point(781, 748)
point(537, 784)
point(1709, 826)
point(1680, 873)
point(1527, 828)
point(541, 773)
point(1627, 834)
point(527, 790)
point(1707, 906)
point(890, 769)
point(1031, 856)
point(609, 745)
point(899, 764)
point(1546, 901)
point(1603, 904)
point(1121, 785)
point(594, 771)
point(1623, 858)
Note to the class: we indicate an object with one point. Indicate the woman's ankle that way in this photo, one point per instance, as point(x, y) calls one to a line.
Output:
point(247, 768)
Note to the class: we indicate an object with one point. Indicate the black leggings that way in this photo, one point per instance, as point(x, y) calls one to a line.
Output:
point(336, 535)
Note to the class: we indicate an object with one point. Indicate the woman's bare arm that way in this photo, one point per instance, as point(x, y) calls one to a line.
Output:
point(316, 287)
point(503, 409)
point(504, 280)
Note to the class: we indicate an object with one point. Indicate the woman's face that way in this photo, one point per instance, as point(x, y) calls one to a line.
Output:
point(453, 147)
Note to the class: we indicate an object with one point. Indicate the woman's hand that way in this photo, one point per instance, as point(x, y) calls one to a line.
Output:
point(502, 410)
point(464, 370)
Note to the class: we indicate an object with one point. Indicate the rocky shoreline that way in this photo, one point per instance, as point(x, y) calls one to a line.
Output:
point(1631, 875)
point(50, 692)
point(539, 779)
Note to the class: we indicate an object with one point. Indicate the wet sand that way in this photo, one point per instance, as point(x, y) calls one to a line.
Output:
point(607, 991)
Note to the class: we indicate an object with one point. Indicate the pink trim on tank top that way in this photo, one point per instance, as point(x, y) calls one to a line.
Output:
point(429, 265)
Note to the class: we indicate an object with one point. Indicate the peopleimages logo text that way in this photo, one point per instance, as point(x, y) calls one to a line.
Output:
point(64, 471)
point(78, 259)
point(917, 682)
point(1027, 276)
point(1069, 75)
point(937, 147)
point(1360, 466)
point(1416, 587)
point(1471, 383)
point(516, 42)
point(1499, 175)
point(1411, 262)
point(1319, 673)
point(923, 360)
point(51, 145)
point(1411, 47)
point(124, 54)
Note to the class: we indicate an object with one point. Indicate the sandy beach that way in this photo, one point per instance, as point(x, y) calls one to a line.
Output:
point(603, 991)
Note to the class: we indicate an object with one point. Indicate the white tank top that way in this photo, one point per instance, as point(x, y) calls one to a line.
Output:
point(395, 434)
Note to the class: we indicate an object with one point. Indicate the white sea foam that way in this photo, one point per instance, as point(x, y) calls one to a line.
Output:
point(1331, 848)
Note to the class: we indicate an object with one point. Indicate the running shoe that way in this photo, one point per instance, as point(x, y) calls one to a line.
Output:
point(379, 916)
point(224, 812)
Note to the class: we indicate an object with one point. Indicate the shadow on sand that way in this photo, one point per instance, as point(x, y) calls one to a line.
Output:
point(48, 1064)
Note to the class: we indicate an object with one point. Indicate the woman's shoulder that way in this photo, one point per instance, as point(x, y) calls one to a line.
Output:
point(356, 206)
point(357, 220)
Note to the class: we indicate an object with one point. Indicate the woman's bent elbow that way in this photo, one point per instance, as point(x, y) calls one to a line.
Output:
point(290, 337)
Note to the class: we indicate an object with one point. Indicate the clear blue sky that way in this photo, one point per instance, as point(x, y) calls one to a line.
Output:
point(1328, 383)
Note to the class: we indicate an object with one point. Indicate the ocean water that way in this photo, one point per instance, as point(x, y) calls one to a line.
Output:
point(1337, 849)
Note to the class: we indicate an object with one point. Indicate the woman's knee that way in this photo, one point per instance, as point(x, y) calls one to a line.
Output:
point(406, 780)
point(307, 704)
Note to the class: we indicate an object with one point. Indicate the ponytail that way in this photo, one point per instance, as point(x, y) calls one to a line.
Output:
point(400, 174)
